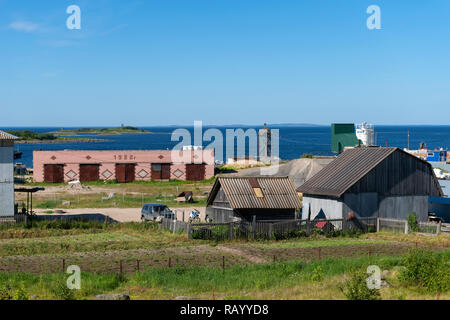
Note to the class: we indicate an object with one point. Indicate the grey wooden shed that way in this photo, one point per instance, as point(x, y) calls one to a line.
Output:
point(267, 198)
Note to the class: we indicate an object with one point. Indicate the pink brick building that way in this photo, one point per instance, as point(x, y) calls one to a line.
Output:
point(122, 165)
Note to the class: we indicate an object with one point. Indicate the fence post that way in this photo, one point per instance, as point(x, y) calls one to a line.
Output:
point(406, 227)
point(230, 231)
point(223, 264)
point(253, 227)
point(439, 226)
point(270, 230)
point(378, 224)
point(343, 224)
point(189, 230)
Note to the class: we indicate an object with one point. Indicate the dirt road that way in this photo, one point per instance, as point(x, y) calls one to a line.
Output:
point(128, 214)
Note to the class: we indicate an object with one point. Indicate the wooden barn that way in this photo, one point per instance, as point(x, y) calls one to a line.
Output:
point(267, 198)
point(371, 182)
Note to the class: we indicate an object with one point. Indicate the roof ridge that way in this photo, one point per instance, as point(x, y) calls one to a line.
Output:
point(350, 158)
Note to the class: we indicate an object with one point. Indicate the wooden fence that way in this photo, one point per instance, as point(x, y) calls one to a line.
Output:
point(401, 226)
point(276, 229)
point(174, 225)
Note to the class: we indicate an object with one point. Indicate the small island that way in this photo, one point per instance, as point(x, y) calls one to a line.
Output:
point(98, 131)
point(28, 136)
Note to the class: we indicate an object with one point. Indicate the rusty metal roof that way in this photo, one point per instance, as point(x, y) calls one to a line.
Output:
point(278, 192)
point(7, 136)
point(343, 172)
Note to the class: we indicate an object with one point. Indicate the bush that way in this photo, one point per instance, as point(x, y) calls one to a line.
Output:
point(432, 271)
point(356, 288)
point(412, 222)
point(317, 274)
point(20, 293)
point(60, 291)
point(6, 293)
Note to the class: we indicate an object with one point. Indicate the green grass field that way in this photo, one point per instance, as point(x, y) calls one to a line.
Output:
point(130, 195)
point(170, 265)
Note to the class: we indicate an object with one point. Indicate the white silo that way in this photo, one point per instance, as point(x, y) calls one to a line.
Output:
point(365, 133)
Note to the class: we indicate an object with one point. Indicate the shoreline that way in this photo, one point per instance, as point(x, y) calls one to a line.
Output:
point(59, 141)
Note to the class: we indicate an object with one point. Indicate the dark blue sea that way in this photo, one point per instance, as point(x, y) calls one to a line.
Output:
point(294, 140)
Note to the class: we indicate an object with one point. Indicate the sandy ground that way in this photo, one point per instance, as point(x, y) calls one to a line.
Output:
point(128, 214)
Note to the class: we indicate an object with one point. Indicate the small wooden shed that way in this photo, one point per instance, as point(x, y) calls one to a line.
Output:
point(267, 198)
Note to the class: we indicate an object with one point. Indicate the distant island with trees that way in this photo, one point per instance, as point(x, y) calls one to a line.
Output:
point(98, 131)
point(28, 136)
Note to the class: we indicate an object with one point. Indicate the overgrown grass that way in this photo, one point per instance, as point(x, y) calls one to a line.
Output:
point(45, 287)
point(259, 276)
point(313, 243)
point(442, 240)
point(195, 281)
point(42, 237)
point(251, 281)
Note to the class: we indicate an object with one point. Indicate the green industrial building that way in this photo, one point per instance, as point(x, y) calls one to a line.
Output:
point(343, 135)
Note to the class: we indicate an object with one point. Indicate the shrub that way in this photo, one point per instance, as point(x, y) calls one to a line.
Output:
point(6, 293)
point(412, 222)
point(20, 293)
point(60, 291)
point(432, 271)
point(356, 288)
point(317, 274)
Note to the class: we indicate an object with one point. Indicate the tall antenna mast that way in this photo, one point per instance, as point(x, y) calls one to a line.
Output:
point(408, 141)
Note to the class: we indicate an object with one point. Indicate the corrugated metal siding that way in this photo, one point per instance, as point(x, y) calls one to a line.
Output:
point(331, 208)
point(365, 170)
point(6, 181)
point(279, 193)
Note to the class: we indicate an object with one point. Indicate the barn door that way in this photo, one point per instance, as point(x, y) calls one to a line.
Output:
point(156, 171)
point(89, 172)
point(129, 172)
point(125, 172)
point(54, 173)
point(160, 171)
point(195, 172)
point(165, 172)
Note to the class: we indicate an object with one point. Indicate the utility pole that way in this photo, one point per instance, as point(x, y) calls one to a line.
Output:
point(408, 141)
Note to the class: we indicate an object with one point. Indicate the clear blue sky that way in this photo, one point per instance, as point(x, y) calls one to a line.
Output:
point(224, 62)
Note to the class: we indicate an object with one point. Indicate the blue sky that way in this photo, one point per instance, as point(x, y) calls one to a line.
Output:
point(223, 61)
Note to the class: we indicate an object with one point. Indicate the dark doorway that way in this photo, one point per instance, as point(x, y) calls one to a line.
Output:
point(160, 171)
point(54, 173)
point(89, 172)
point(125, 172)
point(195, 172)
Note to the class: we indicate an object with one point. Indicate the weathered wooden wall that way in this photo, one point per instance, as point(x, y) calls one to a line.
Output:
point(399, 174)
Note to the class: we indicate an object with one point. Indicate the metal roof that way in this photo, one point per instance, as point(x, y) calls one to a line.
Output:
point(347, 169)
point(7, 136)
point(278, 192)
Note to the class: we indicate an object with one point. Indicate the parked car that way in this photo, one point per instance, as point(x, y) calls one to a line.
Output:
point(153, 211)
